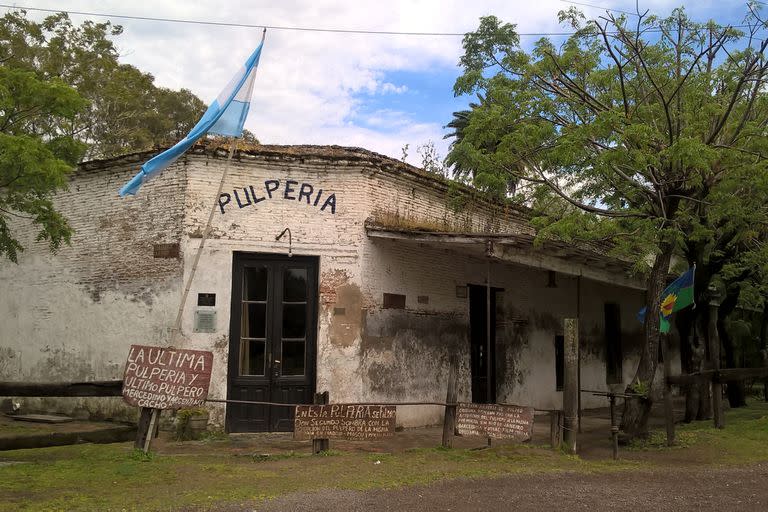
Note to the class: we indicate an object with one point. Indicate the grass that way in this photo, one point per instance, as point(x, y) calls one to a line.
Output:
point(743, 440)
point(20, 428)
point(116, 477)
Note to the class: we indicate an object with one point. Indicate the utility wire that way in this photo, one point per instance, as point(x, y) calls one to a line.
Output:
point(599, 7)
point(271, 27)
point(311, 29)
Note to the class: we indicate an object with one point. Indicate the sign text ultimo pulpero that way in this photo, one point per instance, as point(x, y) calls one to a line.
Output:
point(166, 378)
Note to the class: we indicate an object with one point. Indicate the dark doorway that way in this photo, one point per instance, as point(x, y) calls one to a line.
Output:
point(272, 339)
point(482, 392)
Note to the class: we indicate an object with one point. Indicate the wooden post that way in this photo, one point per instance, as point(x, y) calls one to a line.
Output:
point(571, 383)
point(714, 352)
point(146, 429)
point(669, 411)
point(449, 421)
point(765, 382)
point(488, 334)
point(320, 445)
point(614, 427)
point(555, 428)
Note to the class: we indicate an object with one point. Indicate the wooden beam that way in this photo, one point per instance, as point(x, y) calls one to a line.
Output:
point(530, 258)
point(64, 389)
point(509, 248)
point(720, 376)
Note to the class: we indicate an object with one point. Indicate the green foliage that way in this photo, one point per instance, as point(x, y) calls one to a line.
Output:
point(184, 430)
point(623, 121)
point(64, 97)
point(640, 388)
point(644, 133)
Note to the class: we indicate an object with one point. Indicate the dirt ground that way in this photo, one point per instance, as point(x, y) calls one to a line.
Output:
point(700, 490)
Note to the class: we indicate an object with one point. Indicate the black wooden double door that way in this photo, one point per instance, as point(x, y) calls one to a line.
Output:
point(272, 342)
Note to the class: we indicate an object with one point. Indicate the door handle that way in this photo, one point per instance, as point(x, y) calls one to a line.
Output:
point(276, 369)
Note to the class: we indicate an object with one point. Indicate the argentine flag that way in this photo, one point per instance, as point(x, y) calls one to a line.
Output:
point(225, 116)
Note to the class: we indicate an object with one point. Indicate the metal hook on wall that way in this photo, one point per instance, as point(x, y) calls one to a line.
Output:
point(290, 241)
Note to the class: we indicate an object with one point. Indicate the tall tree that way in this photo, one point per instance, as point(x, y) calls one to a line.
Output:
point(64, 97)
point(629, 122)
point(125, 110)
point(35, 156)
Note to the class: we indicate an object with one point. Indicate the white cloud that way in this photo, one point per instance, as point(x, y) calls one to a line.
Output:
point(311, 86)
point(390, 88)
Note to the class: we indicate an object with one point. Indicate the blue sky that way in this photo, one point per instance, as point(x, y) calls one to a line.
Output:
point(379, 92)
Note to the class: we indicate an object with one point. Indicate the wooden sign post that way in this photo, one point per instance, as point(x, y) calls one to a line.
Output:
point(570, 383)
point(158, 378)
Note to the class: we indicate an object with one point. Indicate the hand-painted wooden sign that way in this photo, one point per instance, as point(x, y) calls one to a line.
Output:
point(494, 420)
point(344, 421)
point(275, 189)
point(166, 378)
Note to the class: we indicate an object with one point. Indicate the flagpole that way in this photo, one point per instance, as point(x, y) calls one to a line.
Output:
point(176, 330)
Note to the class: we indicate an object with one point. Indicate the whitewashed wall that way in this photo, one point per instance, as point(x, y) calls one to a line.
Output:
point(72, 316)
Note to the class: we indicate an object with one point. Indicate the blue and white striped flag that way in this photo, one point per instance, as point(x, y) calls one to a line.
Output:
point(225, 116)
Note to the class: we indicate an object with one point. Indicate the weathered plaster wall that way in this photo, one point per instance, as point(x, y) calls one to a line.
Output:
point(72, 316)
point(405, 352)
point(423, 335)
point(334, 237)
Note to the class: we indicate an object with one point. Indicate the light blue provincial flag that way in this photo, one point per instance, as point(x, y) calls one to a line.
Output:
point(225, 116)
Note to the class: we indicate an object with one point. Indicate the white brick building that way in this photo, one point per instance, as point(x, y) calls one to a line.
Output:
point(387, 280)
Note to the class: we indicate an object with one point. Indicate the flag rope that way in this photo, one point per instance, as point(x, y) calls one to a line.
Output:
point(177, 324)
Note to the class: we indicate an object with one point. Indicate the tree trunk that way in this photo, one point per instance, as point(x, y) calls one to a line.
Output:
point(689, 362)
point(635, 418)
point(704, 410)
point(684, 323)
point(735, 390)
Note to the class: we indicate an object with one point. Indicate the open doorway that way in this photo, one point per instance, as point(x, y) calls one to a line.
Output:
point(483, 357)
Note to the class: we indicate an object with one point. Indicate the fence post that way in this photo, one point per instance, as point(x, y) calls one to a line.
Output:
point(146, 428)
point(555, 428)
point(570, 382)
point(669, 410)
point(614, 427)
point(714, 354)
point(449, 421)
point(765, 381)
point(320, 445)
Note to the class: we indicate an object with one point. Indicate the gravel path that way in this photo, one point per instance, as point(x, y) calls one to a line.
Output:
point(700, 490)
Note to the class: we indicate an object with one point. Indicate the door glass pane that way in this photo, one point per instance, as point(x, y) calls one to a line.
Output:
point(294, 320)
point(251, 357)
point(295, 285)
point(293, 358)
point(255, 283)
point(254, 321)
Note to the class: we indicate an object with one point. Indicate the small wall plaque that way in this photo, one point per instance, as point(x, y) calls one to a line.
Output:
point(461, 292)
point(205, 321)
point(206, 299)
